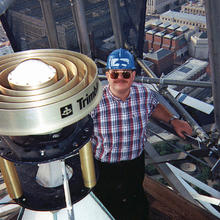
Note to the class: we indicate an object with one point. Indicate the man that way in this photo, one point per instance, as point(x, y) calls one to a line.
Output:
point(119, 121)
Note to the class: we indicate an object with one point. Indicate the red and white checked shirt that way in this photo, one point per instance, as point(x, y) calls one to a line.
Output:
point(119, 126)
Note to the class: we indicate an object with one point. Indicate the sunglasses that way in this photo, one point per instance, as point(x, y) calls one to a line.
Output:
point(125, 74)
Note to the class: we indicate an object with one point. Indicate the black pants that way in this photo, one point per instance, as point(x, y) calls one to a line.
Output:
point(119, 188)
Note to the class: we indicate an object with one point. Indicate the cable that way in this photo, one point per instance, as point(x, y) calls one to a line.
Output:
point(8, 203)
point(21, 213)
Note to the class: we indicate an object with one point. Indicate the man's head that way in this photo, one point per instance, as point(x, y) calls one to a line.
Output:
point(121, 72)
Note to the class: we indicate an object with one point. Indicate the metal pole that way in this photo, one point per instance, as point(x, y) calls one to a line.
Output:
point(69, 205)
point(162, 81)
point(167, 174)
point(46, 7)
point(11, 178)
point(146, 68)
point(213, 26)
point(101, 205)
point(116, 25)
point(87, 165)
point(79, 18)
point(20, 214)
point(181, 110)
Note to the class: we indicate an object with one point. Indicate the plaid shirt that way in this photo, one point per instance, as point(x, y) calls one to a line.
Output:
point(119, 126)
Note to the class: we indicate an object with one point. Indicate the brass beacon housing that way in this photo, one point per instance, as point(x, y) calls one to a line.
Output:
point(46, 96)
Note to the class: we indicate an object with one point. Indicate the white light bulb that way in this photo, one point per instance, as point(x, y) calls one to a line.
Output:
point(31, 73)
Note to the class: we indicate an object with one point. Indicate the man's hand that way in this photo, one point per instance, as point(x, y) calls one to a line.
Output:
point(181, 127)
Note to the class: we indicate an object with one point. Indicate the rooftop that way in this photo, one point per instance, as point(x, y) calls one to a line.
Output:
point(182, 28)
point(184, 16)
point(156, 22)
point(159, 54)
point(187, 69)
point(202, 35)
point(173, 26)
point(165, 25)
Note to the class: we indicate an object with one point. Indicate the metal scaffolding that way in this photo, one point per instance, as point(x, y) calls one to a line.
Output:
point(213, 26)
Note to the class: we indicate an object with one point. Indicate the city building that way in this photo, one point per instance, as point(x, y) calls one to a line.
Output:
point(190, 20)
point(26, 21)
point(196, 8)
point(159, 6)
point(192, 69)
point(162, 60)
point(107, 45)
point(164, 35)
point(198, 46)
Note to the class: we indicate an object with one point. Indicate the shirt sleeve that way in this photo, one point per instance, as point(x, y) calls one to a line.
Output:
point(152, 100)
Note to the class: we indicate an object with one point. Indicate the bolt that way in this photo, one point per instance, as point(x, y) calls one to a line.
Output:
point(55, 136)
point(86, 129)
point(75, 144)
point(42, 152)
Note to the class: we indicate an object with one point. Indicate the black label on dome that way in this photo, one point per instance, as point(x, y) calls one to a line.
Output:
point(66, 111)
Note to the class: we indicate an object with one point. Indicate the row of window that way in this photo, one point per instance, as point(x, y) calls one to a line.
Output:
point(194, 11)
point(183, 22)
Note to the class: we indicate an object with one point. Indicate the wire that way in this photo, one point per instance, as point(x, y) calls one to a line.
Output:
point(179, 148)
point(195, 139)
point(21, 213)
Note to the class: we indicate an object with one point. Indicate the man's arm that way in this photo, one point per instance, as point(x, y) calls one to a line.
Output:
point(161, 113)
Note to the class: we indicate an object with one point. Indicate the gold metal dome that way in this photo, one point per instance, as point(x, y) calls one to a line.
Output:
point(51, 105)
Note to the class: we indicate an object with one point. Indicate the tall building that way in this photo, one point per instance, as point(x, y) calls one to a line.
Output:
point(196, 8)
point(159, 6)
point(26, 21)
point(162, 60)
point(198, 46)
point(192, 69)
point(27, 24)
point(164, 35)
